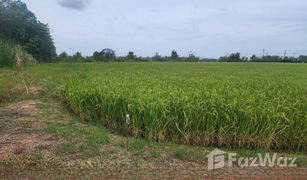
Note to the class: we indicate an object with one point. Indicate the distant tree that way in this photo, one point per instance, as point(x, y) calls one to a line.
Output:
point(104, 55)
point(273, 59)
point(253, 58)
point(235, 57)
point(157, 57)
point(244, 59)
point(20, 25)
point(108, 54)
point(303, 59)
point(174, 55)
point(96, 55)
point(131, 55)
point(78, 55)
point(63, 55)
point(192, 58)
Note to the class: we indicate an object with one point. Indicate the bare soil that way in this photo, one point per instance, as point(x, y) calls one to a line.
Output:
point(18, 131)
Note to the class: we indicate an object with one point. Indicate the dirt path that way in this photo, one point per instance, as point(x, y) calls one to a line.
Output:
point(19, 132)
point(40, 139)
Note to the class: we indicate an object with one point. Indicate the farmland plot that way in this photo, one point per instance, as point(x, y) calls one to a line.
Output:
point(240, 105)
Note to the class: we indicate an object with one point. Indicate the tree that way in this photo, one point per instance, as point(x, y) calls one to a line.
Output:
point(78, 55)
point(104, 55)
point(63, 55)
point(108, 54)
point(303, 58)
point(20, 25)
point(157, 57)
point(131, 55)
point(174, 55)
point(253, 58)
point(192, 58)
point(234, 57)
point(244, 59)
point(96, 55)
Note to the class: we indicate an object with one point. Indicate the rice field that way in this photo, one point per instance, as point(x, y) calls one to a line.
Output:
point(210, 104)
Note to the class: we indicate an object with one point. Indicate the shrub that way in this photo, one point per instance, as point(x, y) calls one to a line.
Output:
point(8, 53)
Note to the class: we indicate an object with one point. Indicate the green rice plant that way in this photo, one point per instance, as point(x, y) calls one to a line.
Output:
point(246, 109)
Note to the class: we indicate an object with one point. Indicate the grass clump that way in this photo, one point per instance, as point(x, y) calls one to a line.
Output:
point(181, 154)
point(92, 134)
point(92, 138)
point(135, 144)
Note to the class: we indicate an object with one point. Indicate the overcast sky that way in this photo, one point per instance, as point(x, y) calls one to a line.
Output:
point(208, 28)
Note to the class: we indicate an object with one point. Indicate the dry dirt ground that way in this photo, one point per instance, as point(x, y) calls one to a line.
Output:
point(39, 139)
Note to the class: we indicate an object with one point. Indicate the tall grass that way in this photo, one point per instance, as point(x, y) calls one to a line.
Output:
point(8, 53)
point(205, 108)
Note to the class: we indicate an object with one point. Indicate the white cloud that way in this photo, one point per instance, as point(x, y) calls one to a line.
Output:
point(74, 4)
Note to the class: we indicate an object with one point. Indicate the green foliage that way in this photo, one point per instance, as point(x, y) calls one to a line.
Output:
point(157, 57)
point(137, 144)
point(181, 154)
point(104, 55)
point(192, 104)
point(131, 55)
point(268, 58)
point(92, 138)
point(8, 53)
point(192, 58)
point(303, 59)
point(63, 55)
point(78, 56)
point(20, 25)
point(234, 57)
point(174, 55)
point(93, 135)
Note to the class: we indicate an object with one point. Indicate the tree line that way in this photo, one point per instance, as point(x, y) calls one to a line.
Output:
point(107, 55)
point(236, 57)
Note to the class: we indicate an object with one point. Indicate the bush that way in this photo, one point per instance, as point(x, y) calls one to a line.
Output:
point(8, 53)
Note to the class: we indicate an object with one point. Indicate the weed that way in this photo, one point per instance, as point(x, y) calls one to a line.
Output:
point(181, 154)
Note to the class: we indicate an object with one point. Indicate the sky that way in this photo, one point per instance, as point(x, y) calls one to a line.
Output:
point(206, 28)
